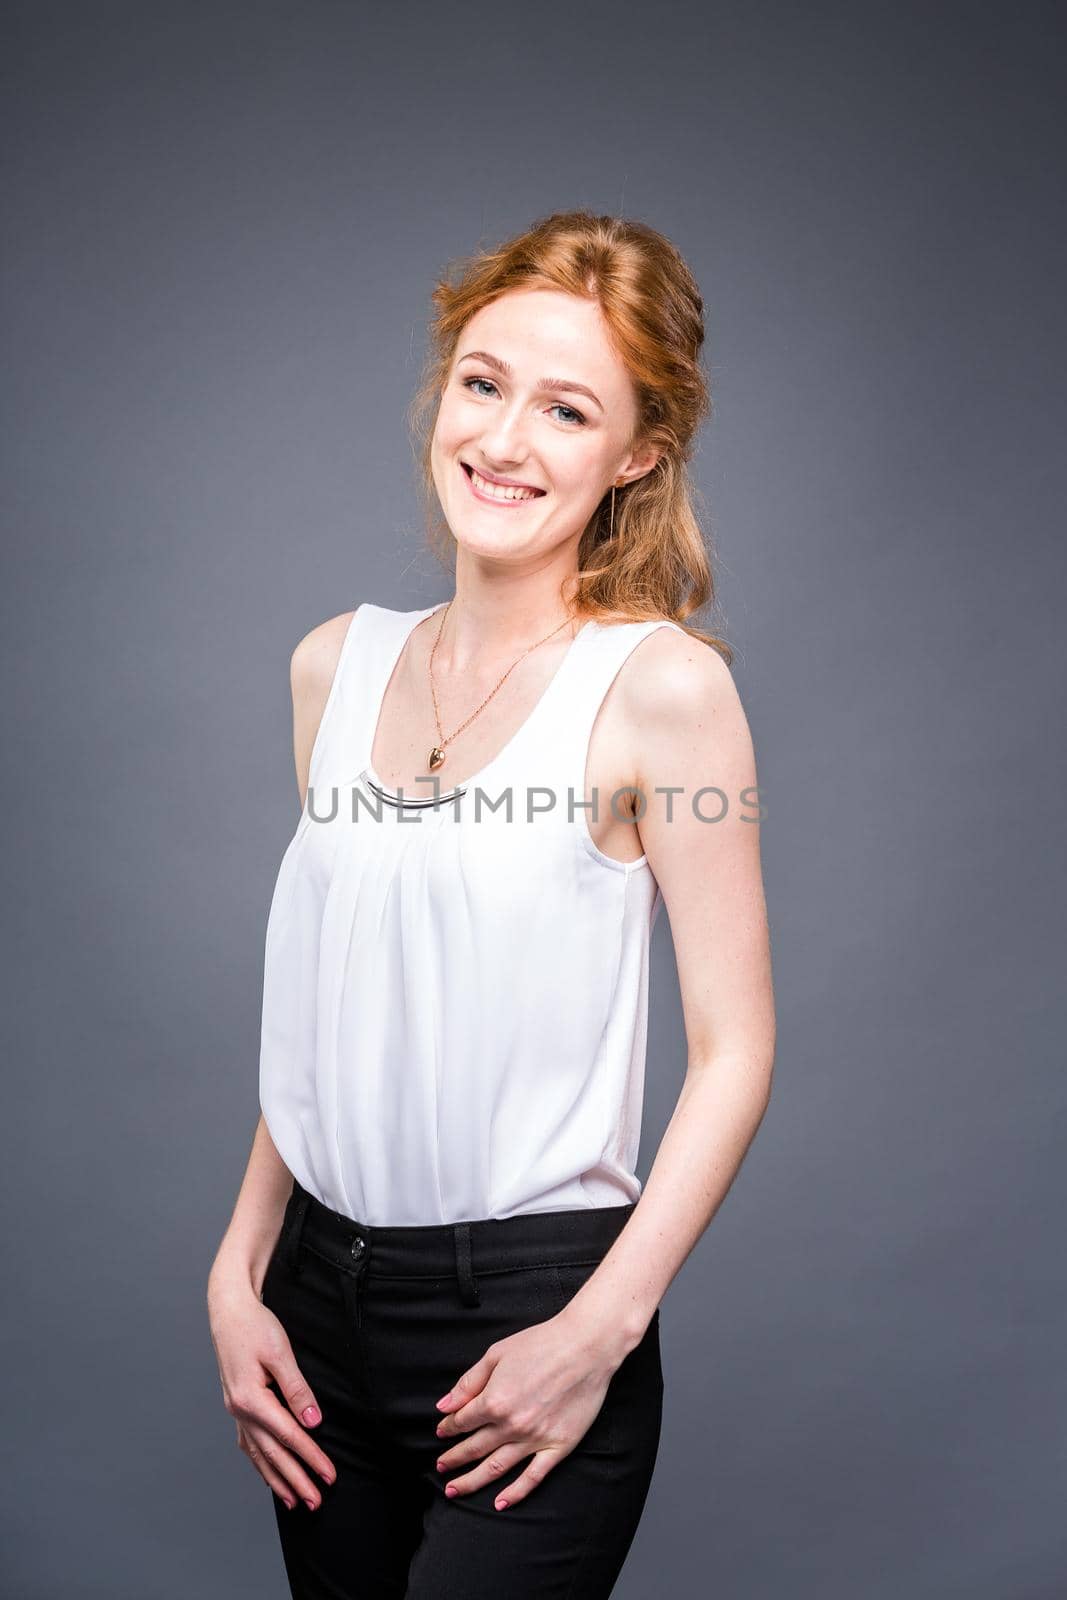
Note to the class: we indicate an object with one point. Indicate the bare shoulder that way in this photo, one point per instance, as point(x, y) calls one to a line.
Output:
point(678, 676)
point(680, 697)
point(314, 661)
point(312, 668)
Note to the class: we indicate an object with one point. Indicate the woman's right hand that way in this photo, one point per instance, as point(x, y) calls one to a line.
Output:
point(251, 1348)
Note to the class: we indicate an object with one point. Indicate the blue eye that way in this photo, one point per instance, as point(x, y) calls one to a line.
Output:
point(559, 406)
point(578, 421)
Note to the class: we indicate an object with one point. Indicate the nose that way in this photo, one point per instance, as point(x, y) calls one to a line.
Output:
point(503, 442)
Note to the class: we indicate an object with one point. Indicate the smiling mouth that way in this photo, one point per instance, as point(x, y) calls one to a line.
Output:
point(498, 494)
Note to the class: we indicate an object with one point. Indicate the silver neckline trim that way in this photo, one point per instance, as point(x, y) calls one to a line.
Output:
point(405, 804)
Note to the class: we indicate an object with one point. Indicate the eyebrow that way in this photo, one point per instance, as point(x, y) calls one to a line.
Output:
point(543, 383)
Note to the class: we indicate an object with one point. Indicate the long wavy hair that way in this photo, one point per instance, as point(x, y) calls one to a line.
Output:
point(655, 561)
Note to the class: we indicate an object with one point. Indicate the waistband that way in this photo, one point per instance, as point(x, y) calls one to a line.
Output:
point(466, 1249)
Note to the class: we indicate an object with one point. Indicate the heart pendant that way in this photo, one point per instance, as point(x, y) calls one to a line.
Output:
point(437, 758)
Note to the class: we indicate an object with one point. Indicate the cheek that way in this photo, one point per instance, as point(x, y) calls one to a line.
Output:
point(443, 429)
point(576, 473)
point(455, 422)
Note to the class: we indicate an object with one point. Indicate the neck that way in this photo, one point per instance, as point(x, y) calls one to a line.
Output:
point(492, 629)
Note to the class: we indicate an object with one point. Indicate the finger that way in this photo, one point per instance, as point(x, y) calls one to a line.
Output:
point(269, 1454)
point(535, 1473)
point(473, 1448)
point(491, 1470)
point(481, 1410)
point(295, 1389)
point(473, 1415)
point(270, 1412)
point(472, 1382)
point(267, 1472)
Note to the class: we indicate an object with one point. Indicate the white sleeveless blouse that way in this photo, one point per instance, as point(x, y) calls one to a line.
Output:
point(455, 991)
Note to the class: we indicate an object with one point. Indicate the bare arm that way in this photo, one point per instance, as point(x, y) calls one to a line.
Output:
point(694, 733)
point(244, 1254)
point(248, 1243)
point(256, 1361)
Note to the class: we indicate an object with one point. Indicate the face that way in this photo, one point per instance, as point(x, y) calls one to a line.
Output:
point(538, 398)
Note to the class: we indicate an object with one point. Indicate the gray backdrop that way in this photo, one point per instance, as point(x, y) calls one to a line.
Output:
point(223, 222)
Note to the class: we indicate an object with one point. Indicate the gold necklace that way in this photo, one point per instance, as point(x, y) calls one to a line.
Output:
point(437, 754)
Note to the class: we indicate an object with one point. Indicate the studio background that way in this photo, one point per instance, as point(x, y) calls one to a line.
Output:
point(223, 222)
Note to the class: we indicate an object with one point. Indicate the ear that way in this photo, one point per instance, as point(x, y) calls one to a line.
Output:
point(641, 462)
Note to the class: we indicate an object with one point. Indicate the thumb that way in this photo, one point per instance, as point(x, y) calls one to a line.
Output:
point(296, 1391)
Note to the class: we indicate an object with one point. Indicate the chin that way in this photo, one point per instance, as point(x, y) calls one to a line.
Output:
point(482, 544)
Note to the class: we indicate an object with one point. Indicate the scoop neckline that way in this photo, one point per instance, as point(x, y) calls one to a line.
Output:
point(458, 789)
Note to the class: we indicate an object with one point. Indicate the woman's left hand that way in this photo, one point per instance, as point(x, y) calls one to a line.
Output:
point(534, 1393)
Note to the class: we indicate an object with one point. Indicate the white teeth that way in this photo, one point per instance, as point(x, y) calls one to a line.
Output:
point(497, 492)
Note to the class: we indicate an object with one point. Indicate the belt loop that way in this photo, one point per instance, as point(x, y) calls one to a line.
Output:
point(301, 1201)
point(468, 1287)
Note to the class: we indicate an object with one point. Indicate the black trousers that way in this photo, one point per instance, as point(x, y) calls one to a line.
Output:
point(383, 1321)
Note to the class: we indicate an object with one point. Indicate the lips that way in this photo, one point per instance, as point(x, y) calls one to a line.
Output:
point(503, 501)
point(504, 483)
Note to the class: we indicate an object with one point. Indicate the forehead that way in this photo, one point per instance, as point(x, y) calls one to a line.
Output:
point(560, 335)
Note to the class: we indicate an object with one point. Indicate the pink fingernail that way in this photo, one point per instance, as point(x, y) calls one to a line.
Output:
point(501, 1505)
point(450, 1490)
point(311, 1416)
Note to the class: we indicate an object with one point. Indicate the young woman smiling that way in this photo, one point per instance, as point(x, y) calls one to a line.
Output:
point(435, 1308)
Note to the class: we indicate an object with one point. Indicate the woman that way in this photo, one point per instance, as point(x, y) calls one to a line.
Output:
point(435, 1307)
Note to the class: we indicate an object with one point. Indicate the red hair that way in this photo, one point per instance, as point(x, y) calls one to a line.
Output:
point(655, 562)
